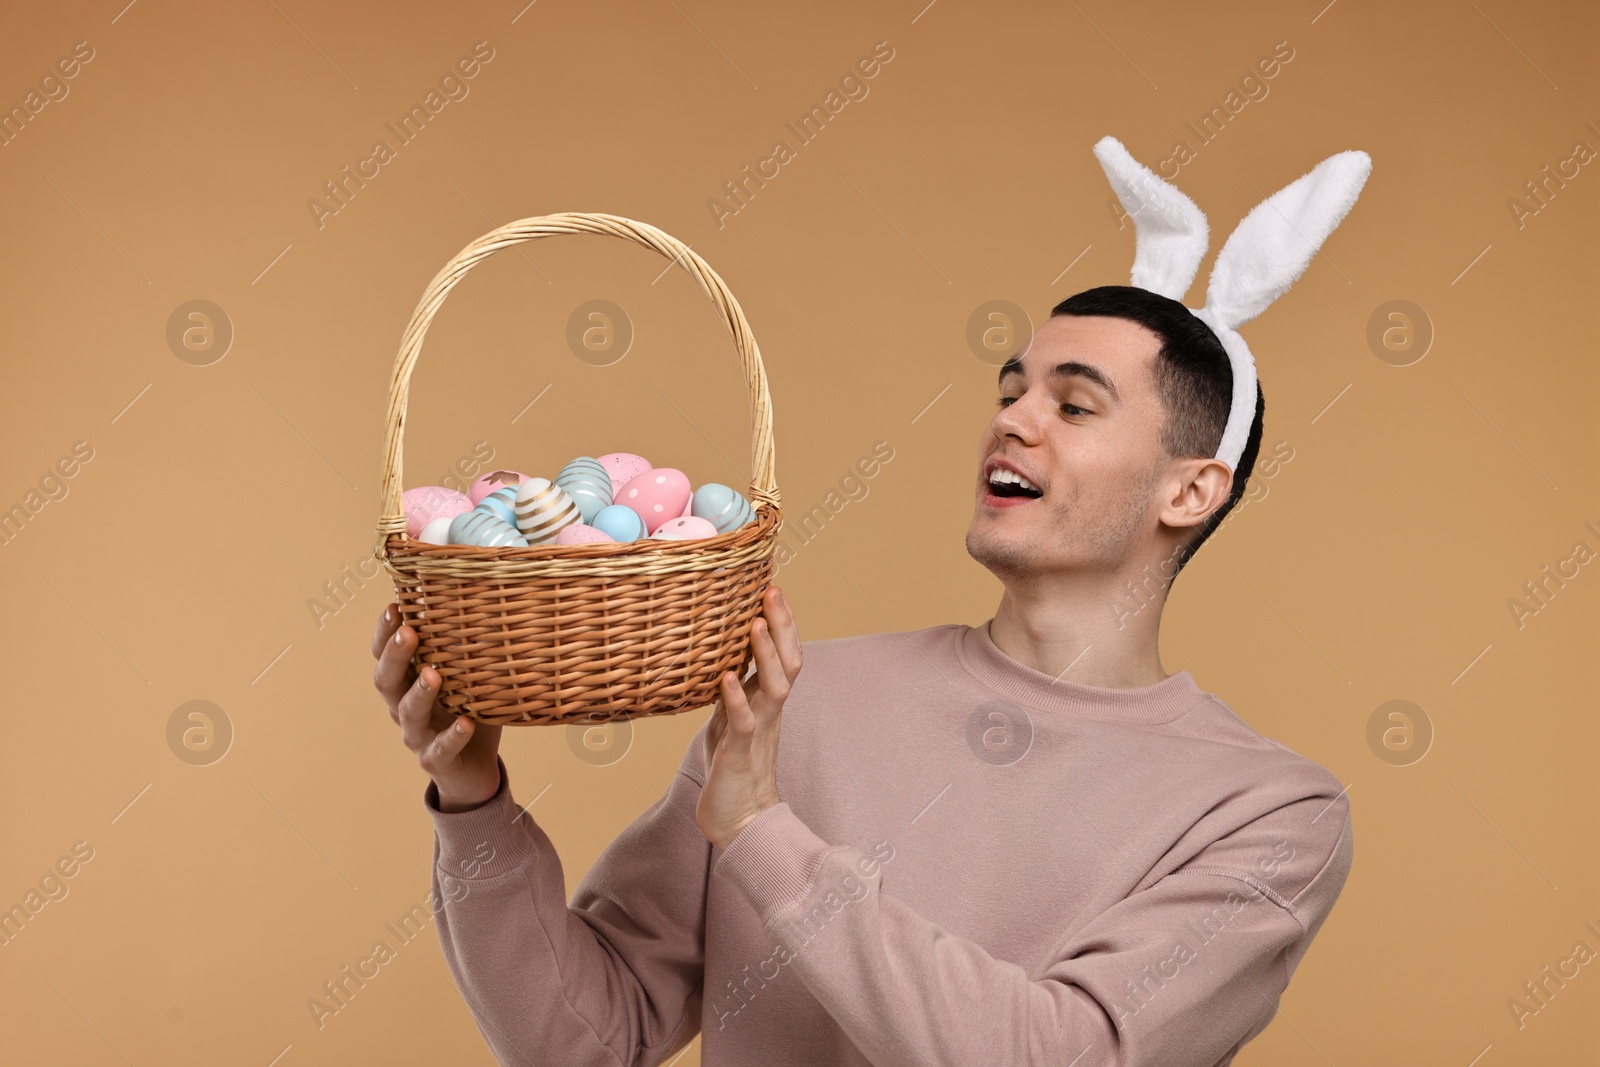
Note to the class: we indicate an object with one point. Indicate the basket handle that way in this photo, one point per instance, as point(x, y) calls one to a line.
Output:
point(762, 486)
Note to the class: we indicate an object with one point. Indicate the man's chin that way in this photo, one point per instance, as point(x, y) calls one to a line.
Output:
point(1004, 557)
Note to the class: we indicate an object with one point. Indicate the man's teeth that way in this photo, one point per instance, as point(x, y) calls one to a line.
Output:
point(1000, 476)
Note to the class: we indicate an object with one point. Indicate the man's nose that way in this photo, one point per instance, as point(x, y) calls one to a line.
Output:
point(1020, 418)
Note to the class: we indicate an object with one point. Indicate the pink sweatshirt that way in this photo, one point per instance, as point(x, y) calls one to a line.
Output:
point(973, 863)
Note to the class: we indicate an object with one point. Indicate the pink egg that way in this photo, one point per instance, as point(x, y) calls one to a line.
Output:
point(497, 479)
point(428, 502)
point(578, 534)
point(688, 507)
point(656, 495)
point(692, 528)
point(622, 467)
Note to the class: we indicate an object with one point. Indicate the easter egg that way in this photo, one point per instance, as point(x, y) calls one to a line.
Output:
point(619, 522)
point(724, 506)
point(588, 484)
point(579, 534)
point(692, 528)
point(482, 528)
point(437, 532)
point(502, 504)
point(657, 495)
point(543, 508)
point(688, 507)
point(622, 467)
point(428, 502)
point(493, 480)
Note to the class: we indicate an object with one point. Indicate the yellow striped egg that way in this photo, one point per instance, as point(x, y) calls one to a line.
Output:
point(543, 508)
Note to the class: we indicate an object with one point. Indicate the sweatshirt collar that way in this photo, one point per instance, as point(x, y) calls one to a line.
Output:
point(1030, 688)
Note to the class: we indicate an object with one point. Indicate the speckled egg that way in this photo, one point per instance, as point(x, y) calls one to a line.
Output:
point(428, 502)
point(724, 506)
point(578, 533)
point(482, 528)
point(493, 480)
point(543, 508)
point(684, 529)
point(588, 484)
point(657, 495)
point(619, 522)
point(621, 468)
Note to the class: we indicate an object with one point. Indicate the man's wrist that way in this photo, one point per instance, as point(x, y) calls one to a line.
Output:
point(453, 805)
point(729, 839)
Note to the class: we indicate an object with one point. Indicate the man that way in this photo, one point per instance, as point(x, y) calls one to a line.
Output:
point(1018, 843)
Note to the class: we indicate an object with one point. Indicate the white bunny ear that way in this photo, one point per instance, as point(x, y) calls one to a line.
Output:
point(1170, 231)
point(1273, 245)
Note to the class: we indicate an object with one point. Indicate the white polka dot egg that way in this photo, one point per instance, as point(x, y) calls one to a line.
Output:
point(684, 528)
point(657, 495)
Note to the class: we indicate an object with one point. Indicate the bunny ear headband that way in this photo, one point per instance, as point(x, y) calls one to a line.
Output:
point(1270, 248)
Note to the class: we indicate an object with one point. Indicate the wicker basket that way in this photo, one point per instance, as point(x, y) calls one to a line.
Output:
point(584, 633)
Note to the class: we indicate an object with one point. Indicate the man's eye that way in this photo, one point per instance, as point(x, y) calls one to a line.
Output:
point(1070, 409)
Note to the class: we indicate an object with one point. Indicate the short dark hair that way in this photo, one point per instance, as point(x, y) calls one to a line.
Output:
point(1194, 380)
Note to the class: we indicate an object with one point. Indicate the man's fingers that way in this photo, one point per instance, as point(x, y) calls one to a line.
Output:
point(388, 623)
point(714, 727)
point(441, 752)
point(394, 671)
point(416, 710)
point(411, 694)
point(770, 675)
point(738, 719)
point(785, 634)
point(412, 697)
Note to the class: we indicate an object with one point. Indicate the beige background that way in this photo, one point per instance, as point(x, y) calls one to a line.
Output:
point(181, 563)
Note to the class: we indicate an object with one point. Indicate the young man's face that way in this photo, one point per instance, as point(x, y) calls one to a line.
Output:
point(1092, 447)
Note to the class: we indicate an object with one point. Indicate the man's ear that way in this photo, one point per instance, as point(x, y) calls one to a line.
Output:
point(1196, 487)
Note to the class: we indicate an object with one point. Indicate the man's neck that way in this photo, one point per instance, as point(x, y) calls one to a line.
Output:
point(1104, 637)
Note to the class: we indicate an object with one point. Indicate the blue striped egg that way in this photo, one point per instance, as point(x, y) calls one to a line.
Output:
point(502, 504)
point(587, 483)
point(725, 507)
point(543, 508)
point(482, 528)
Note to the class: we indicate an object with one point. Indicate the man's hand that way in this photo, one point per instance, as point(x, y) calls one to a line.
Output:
point(741, 742)
point(458, 752)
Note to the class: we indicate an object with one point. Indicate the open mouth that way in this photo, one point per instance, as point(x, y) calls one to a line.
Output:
point(1007, 485)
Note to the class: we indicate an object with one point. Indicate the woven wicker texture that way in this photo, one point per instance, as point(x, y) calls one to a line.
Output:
point(587, 633)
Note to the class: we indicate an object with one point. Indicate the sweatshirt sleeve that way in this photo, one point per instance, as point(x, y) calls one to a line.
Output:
point(615, 979)
point(1180, 973)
